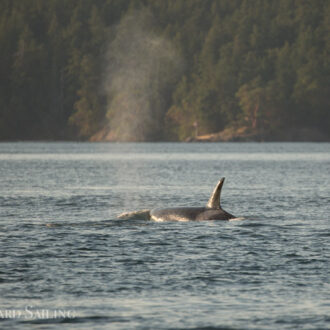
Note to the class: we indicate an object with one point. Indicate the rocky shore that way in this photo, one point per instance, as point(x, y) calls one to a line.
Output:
point(245, 134)
point(241, 134)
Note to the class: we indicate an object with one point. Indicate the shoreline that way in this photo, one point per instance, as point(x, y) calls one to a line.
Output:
point(228, 135)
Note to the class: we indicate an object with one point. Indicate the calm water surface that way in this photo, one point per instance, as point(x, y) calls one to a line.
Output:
point(62, 250)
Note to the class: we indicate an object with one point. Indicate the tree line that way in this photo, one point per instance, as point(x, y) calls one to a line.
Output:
point(148, 70)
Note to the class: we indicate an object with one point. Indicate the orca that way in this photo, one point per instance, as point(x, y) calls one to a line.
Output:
point(212, 211)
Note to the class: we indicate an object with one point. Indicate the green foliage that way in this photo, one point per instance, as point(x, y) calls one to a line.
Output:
point(162, 69)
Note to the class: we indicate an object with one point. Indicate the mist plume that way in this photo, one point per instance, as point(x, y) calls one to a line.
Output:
point(142, 70)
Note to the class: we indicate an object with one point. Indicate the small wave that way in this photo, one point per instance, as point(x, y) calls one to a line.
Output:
point(81, 319)
point(237, 219)
point(108, 222)
point(157, 219)
point(220, 327)
point(135, 215)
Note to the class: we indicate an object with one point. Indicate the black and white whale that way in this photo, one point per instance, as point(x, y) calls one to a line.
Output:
point(212, 211)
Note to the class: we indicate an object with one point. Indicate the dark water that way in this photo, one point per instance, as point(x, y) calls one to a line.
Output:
point(67, 262)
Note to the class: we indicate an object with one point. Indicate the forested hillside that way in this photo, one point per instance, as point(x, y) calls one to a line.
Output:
point(150, 70)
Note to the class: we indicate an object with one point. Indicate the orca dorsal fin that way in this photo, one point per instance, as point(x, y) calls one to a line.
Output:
point(214, 201)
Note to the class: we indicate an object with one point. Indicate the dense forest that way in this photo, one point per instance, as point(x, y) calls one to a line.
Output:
point(152, 70)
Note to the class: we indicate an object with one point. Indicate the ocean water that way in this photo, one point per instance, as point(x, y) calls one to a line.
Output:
point(66, 261)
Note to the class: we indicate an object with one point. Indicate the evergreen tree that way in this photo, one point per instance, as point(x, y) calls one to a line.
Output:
point(187, 67)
